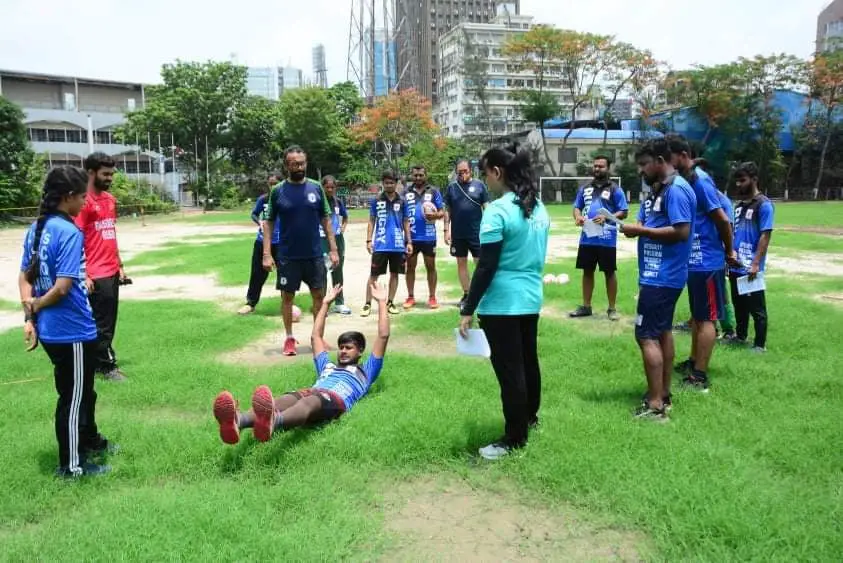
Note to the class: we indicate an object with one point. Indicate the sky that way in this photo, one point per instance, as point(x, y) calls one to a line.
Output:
point(130, 40)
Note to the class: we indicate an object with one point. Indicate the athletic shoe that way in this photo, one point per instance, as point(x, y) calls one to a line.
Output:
point(613, 315)
point(113, 375)
point(88, 470)
point(684, 368)
point(225, 411)
point(264, 408)
point(645, 412)
point(102, 449)
point(495, 451)
point(366, 310)
point(694, 383)
point(342, 310)
point(245, 310)
point(758, 350)
point(433, 303)
point(410, 303)
point(581, 311)
point(393, 309)
point(290, 346)
point(667, 401)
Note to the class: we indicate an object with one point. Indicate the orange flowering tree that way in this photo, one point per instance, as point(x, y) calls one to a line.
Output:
point(401, 118)
point(825, 73)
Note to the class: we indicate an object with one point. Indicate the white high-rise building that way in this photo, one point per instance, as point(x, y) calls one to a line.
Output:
point(459, 112)
point(262, 81)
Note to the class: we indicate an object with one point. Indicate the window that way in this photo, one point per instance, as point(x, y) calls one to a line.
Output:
point(77, 136)
point(102, 137)
point(69, 101)
point(567, 156)
point(38, 135)
point(55, 135)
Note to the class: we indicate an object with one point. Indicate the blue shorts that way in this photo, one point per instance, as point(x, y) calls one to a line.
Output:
point(707, 295)
point(656, 306)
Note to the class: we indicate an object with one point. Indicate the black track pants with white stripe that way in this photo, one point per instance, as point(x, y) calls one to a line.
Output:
point(74, 366)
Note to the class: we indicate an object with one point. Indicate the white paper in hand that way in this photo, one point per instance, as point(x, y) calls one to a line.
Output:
point(592, 229)
point(475, 345)
point(610, 217)
point(745, 286)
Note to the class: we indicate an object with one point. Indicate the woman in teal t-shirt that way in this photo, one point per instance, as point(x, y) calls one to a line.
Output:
point(506, 290)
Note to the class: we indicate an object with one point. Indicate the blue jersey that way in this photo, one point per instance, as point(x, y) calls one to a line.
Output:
point(516, 287)
point(726, 204)
point(338, 213)
point(71, 319)
point(465, 205)
point(752, 218)
point(664, 264)
point(421, 230)
point(257, 211)
point(707, 252)
point(351, 382)
point(593, 197)
point(389, 218)
point(300, 209)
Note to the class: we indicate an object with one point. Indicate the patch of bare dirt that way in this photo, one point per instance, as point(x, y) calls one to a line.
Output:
point(437, 520)
point(10, 320)
point(565, 246)
point(834, 298)
point(835, 231)
point(807, 263)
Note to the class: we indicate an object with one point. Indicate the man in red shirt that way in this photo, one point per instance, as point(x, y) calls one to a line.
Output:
point(104, 269)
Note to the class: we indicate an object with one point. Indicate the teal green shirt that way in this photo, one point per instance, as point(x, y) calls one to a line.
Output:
point(517, 287)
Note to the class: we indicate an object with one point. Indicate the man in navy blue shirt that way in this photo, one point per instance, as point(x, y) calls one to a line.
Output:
point(711, 247)
point(424, 208)
point(302, 207)
point(388, 240)
point(258, 275)
point(600, 193)
point(665, 229)
point(465, 201)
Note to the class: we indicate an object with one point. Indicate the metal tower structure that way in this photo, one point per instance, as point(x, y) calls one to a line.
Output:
point(372, 35)
point(320, 69)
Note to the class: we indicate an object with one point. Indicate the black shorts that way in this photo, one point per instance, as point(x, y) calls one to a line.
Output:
point(426, 248)
point(396, 260)
point(332, 404)
point(589, 257)
point(656, 306)
point(462, 246)
point(707, 295)
point(292, 273)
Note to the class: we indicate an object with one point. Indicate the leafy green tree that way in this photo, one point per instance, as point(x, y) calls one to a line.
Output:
point(21, 171)
point(254, 135)
point(348, 101)
point(309, 119)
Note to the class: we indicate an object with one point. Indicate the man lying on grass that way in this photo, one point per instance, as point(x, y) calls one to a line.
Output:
point(337, 388)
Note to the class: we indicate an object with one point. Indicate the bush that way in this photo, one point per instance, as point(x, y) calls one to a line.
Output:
point(134, 196)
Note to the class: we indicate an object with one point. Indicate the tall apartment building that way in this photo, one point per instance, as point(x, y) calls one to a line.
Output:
point(830, 25)
point(459, 112)
point(290, 78)
point(69, 117)
point(385, 69)
point(262, 81)
point(320, 66)
point(421, 24)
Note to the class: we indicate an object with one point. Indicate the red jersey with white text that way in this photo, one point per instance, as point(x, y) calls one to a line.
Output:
point(98, 222)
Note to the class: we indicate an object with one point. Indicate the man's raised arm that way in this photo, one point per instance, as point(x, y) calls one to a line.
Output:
point(379, 294)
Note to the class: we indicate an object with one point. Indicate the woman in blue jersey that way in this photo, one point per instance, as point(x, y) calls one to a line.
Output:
point(58, 314)
point(506, 290)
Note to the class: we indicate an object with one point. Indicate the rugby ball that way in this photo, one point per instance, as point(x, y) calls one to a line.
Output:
point(296, 314)
point(428, 208)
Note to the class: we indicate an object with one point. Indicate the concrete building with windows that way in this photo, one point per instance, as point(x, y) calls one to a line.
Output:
point(262, 81)
point(423, 22)
point(459, 112)
point(830, 26)
point(385, 70)
point(69, 117)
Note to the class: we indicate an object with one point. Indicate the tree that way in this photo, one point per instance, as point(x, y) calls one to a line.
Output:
point(194, 107)
point(21, 171)
point(475, 69)
point(310, 120)
point(627, 68)
point(399, 119)
point(254, 135)
point(712, 90)
point(348, 101)
point(825, 75)
point(538, 51)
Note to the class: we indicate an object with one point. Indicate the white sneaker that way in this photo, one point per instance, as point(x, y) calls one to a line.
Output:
point(342, 310)
point(495, 451)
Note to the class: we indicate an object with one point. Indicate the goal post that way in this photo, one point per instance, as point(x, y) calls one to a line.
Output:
point(563, 189)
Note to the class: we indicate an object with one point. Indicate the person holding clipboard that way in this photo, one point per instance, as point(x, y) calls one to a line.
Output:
point(506, 290)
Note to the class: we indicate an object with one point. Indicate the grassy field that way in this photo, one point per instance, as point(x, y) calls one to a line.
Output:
point(751, 472)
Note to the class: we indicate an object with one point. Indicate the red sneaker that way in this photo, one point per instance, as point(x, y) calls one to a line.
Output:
point(290, 346)
point(410, 303)
point(433, 303)
point(264, 408)
point(225, 411)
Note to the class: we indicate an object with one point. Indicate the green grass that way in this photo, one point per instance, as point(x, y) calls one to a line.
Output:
point(751, 472)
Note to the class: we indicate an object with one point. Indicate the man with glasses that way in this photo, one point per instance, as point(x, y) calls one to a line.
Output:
point(301, 207)
point(465, 200)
